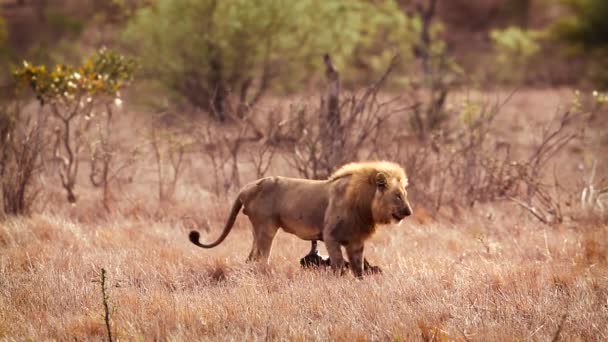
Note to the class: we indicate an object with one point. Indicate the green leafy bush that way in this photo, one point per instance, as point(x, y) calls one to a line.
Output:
point(72, 93)
point(586, 26)
point(207, 50)
point(585, 34)
point(3, 32)
point(103, 74)
point(514, 48)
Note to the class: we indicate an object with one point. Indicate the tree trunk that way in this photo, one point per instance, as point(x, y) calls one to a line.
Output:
point(332, 139)
point(219, 91)
point(41, 10)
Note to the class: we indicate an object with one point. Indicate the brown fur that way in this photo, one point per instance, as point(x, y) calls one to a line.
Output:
point(343, 210)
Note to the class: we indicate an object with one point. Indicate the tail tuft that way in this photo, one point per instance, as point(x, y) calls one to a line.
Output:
point(194, 236)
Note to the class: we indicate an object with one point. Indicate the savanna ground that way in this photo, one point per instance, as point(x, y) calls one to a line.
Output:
point(490, 272)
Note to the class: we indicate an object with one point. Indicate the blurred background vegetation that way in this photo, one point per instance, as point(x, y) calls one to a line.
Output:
point(197, 70)
point(202, 52)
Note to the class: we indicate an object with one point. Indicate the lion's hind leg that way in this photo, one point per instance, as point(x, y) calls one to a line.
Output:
point(263, 236)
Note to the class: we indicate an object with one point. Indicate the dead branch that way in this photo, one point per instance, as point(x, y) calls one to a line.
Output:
point(532, 210)
point(261, 158)
point(167, 149)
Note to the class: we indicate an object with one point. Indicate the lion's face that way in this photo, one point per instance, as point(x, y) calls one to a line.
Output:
point(390, 204)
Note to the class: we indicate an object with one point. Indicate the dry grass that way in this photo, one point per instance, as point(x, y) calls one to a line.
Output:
point(489, 273)
point(481, 279)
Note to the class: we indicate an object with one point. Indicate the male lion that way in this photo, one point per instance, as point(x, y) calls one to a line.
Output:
point(343, 210)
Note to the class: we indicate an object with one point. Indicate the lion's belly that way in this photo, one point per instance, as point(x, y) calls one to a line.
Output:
point(302, 229)
point(300, 207)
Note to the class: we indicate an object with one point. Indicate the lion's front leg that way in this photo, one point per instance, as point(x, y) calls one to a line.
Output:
point(354, 250)
point(371, 269)
point(334, 250)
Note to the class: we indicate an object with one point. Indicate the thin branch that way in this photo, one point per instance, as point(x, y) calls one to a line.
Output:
point(530, 208)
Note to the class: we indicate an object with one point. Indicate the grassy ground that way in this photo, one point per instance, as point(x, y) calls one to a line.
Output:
point(492, 276)
point(491, 273)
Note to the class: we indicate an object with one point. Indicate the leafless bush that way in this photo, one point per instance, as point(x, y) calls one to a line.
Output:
point(478, 164)
point(168, 148)
point(22, 142)
point(222, 148)
point(340, 130)
point(466, 164)
point(262, 157)
point(106, 165)
point(276, 130)
point(538, 197)
point(462, 164)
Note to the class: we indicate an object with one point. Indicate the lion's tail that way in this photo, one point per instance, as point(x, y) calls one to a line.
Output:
point(236, 207)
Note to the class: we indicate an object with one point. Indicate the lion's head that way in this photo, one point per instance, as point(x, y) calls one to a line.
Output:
point(379, 187)
point(390, 204)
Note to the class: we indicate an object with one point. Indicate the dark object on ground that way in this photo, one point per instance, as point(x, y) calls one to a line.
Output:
point(314, 260)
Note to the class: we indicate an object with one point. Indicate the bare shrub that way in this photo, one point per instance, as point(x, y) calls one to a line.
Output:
point(72, 94)
point(475, 163)
point(340, 130)
point(262, 157)
point(222, 148)
point(540, 198)
point(466, 164)
point(106, 164)
point(110, 161)
point(462, 164)
point(168, 149)
point(83, 128)
point(22, 142)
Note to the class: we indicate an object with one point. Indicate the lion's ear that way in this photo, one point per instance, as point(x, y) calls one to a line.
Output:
point(381, 180)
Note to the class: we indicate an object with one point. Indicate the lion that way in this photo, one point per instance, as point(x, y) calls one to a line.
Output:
point(344, 210)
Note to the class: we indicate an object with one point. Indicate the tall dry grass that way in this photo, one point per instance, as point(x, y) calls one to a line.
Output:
point(487, 272)
point(493, 276)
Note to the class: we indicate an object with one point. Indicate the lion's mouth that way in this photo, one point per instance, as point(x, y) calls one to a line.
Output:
point(397, 217)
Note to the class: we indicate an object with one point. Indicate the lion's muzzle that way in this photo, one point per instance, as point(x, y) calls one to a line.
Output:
point(407, 210)
point(402, 213)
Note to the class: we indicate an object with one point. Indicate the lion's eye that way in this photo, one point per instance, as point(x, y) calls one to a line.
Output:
point(399, 196)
